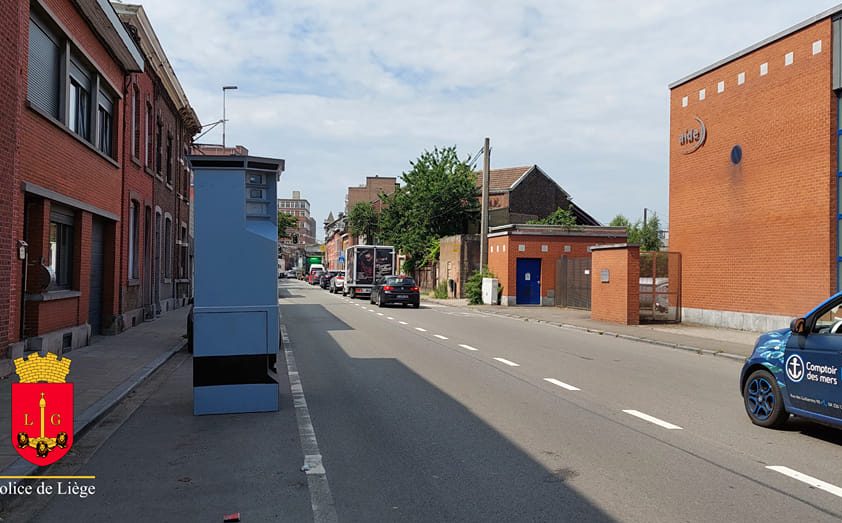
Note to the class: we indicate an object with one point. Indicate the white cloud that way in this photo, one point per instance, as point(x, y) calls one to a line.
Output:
point(346, 89)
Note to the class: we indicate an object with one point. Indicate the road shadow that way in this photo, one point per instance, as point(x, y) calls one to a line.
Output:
point(397, 448)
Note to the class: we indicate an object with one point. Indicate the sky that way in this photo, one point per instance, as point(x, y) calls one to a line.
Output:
point(347, 89)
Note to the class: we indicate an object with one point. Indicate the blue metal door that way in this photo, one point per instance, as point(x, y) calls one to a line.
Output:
point(528, 281)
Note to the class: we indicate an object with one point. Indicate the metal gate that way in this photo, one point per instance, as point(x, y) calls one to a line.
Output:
point(97, 269)
point(660, 287)
point(573, 283)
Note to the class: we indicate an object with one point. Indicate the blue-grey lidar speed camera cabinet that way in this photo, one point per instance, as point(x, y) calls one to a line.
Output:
point(235, 308)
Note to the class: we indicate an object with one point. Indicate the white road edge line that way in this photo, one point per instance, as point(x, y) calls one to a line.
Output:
point(420, 329)
point(561, 384)
point(652, 419)
point(321, 500)
point(813, 482)
point(439, 336)
point(507, 362)
point(467, 347)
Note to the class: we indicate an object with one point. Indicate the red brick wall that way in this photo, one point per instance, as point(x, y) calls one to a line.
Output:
point(11, 23)
point(503, 254)
point(759, 237)
point(618, 300)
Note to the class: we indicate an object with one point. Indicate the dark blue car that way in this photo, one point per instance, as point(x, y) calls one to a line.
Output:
point(796, 370)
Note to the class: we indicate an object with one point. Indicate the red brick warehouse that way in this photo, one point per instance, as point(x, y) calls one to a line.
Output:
point(754, 191)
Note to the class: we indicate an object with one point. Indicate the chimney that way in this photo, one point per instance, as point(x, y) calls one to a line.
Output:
point(296, 195)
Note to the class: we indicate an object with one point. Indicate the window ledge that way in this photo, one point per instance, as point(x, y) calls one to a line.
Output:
point(53, 295)
point(136, 161)
point(183, 280)
point(133, 283)
point(75, 136)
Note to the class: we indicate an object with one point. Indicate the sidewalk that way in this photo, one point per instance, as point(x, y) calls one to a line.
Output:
point(102, 374)
point(697, 338)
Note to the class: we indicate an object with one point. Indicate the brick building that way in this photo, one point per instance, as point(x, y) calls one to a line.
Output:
point(305, 228)
point(160, 124)
point(546, 264)
point(77, 185)
point(370, 192)
point(66, 193)
point(754, 179)
point(13, 17)
point(521, 194)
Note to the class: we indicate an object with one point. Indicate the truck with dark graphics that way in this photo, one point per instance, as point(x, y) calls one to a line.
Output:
point(364, 264)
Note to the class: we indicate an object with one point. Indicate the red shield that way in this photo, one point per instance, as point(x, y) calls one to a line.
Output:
point(42, 421)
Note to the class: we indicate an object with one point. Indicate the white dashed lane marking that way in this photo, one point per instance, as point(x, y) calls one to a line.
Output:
point(403, 323)
point(420, 329)
point(813, 482)
point(507, 362)
point(561, 384)
point(380, 314)
point(652, 419)
point(389, 318)
point(468, 347)
point(439, 336)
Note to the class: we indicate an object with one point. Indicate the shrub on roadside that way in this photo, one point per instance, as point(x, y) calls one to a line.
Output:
point(440, 291)
point(473, 287)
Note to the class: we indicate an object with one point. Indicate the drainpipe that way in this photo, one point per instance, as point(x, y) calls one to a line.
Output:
point(121, 300)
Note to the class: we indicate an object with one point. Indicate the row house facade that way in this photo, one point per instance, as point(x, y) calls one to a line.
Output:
point(66, 211)
point(160, 125)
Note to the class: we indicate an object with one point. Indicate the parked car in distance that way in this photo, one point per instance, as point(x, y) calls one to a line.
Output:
point(291, 274)
point(314, 272)
point(796, 370)
point(337, 283)
point(313, 277)
point(395, 289)
point(324, 279)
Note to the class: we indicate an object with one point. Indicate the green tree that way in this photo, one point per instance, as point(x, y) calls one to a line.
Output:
point(438, 198)
point(285, 221)
point(639, 233)
point(560, 216)
point(363, 220)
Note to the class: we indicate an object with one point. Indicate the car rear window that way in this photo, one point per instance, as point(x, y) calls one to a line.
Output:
point(400, 281)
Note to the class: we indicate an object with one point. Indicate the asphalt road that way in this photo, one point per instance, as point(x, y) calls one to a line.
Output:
point(443, 414)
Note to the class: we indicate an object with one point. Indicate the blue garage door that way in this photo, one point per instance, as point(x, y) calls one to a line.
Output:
point(528, 281)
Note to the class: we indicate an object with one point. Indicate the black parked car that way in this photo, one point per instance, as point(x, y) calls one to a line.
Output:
point(395, 289)
point(324, 279)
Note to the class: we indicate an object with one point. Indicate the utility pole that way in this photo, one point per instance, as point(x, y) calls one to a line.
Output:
point(644, 216)
point(225, 88)
point(483, 242)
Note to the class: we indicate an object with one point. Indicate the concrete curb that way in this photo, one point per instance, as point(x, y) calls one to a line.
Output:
point(641, 339)
point(21, 467)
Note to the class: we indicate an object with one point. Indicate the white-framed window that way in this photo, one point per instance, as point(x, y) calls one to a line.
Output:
point(62, 223)
point(63, 85)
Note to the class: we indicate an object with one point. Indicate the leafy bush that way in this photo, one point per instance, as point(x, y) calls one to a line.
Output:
point(473, 287)
point(441, 291)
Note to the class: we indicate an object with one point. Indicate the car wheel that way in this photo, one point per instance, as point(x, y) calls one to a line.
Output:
point(380, 301)
point(416, 305)
point(763, 401)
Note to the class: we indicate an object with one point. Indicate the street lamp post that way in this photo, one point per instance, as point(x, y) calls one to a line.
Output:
point(225, 88)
